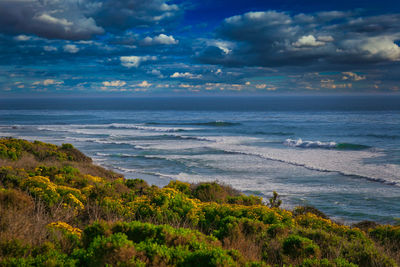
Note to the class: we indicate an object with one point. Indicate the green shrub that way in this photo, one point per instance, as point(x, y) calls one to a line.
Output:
point(386, 234)
point(213, 192)
point(10, 177)
point(47, 258)
point(365, 225)
point(274, 201)
point(298, 246)
point(216, 257)
point(13, 248)
point(244, 200)
point(106, 250)
point(339, 262)
point(67, 146)
point(138, 185)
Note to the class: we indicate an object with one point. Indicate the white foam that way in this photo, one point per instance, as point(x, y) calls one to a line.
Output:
point(344, 162)
point(309, 144)
point(151, 128)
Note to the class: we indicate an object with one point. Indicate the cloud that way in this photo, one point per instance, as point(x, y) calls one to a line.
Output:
point(325, 39)
point(156, 73)
point(48, 82)
point(187, 75)
point(116, 83)
point(49, 19)
point(81, 20)
point(49, 48)
point(22, 37)
point(261, 86)
point(71, 48)
point(336, 85)
point(144, 84)
point(308, 41)
point(276, 39)
point(135, 61)
point(125, 14)
point(223, 45)
point(352, 76)
point(161, 39)
point(184, 85)
point(331, 15)
point(382, 48)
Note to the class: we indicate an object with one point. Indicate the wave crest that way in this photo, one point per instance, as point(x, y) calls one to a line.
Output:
point(328, 145)
point(309, 144)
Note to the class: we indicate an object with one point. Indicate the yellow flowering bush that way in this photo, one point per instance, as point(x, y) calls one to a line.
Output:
point(94, 179)
point(74, 202)
point(43, 188)
point(66, 228)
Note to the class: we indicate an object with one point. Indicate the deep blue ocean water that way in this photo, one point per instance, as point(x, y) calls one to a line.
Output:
point(340, 154)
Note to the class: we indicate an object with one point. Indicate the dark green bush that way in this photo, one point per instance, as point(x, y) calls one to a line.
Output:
point(298, 246)
point(67, 146)
point(213, 192)
point(138, 185)
point(274, 201)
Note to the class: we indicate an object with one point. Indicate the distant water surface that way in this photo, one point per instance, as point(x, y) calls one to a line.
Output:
point(340, 154)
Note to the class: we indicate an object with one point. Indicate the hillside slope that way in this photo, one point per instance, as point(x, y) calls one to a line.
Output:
point(58, 209)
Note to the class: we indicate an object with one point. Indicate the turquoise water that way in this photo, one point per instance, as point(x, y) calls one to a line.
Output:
point(339, 154)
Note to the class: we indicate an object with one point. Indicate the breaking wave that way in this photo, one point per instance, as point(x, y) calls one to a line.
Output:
point(319, 144)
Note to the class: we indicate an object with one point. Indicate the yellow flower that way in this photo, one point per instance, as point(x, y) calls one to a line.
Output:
point(66, 227)
point(77, 203)
point(95, 179)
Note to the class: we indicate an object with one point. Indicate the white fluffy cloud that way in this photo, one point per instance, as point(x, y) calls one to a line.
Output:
point(382, 47)
point(144, 84)
point(307, 41)
point(48, 82)
point(161, 39)
point(49, 48)
point(187, 75)
point(116, 83)
point(70, 48)
point(22, 37)
point(135, 61)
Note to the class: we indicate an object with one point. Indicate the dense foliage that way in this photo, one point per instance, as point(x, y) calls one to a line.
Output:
point(60, 210)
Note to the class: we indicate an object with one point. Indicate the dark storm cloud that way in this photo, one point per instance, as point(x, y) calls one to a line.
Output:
point(125, 14)
point(67, 19)
point(78, 20)
point(280, 39)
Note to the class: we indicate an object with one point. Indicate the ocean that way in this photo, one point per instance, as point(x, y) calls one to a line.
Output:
point(340, 154)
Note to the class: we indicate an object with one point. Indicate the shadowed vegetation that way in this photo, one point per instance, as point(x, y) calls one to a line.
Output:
point(58, 209)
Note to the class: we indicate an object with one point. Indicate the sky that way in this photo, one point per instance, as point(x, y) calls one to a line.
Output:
point(209, 47)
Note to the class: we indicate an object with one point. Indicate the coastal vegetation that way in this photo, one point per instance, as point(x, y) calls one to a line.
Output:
point(59, 209)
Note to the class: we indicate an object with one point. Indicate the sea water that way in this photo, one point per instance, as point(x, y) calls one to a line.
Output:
point(340, 154)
